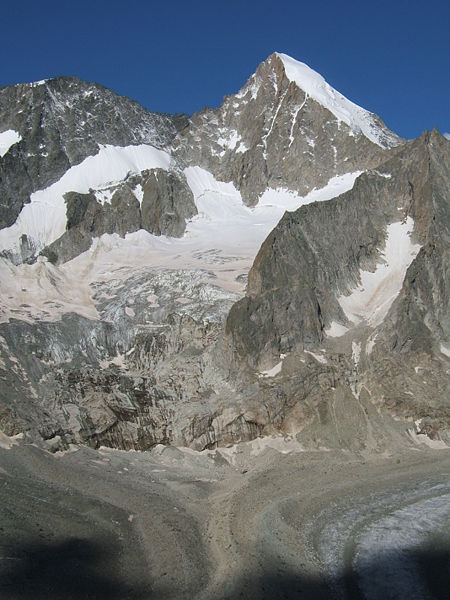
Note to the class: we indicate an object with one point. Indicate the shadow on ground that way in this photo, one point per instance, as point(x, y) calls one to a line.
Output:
point(432, 568)
point(81, 570)
point(74, 569)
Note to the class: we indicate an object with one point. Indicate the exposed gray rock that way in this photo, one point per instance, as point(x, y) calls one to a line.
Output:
point(61, 122)
point(315, 254)
point(408, 368)
point(166, 205)
point(309, 258)
point(422, 311)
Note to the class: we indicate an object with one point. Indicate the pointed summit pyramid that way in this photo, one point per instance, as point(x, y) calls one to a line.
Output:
point(358, 119)
point(286, 127)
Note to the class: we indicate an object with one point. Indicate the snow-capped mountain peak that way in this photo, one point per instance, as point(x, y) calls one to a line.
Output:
point(357, 118)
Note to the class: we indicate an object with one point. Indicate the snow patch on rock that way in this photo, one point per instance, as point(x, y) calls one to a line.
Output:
point(318, 357)
point(7, 139)
point(445, 349)
point(274, 370)
point(356, 352)
point(372, 299)
point(370, 344)
point(336, 330)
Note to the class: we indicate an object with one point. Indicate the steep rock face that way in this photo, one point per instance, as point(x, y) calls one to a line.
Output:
point(312, 255)
point(421, 316)
point(164, 389)
point(314, 260)
point(87, 218)
point(316, 254)
point(275, 133)
point(61, 121)
point(166, 203)
point(407, 368)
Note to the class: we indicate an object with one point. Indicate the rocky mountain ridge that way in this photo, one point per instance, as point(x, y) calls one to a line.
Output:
point(60, 122)
point(126, 242)
point(273, 129)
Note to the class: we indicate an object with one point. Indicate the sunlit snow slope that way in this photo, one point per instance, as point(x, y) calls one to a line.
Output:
point(7, 139)
point(378, 290)
point(315, 86)
point(43, 220)
point(222, 240)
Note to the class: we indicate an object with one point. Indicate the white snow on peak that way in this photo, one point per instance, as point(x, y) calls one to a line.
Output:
point(7, 139)
point(40, 82)
point(372, 299)
point(44, 218)
point(315, 86)
point(33, 84)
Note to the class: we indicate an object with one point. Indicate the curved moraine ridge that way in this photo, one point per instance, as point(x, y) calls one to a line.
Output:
point(174, 523)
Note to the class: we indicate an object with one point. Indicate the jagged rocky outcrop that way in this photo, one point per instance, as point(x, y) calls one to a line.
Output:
point(421, 314)
point(61, 121)
point(166, 388)
point(314, 258)
point(408, 368)
point(165, 205)
point(315, 255)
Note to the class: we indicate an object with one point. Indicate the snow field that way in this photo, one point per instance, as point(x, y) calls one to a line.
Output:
point(44, 218)
point(372, 299)
point(222, 239)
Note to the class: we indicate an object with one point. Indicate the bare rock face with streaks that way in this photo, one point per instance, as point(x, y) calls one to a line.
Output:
point(304, 286)
point(166, 204)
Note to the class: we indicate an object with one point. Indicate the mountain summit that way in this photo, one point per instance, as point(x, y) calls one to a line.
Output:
point(287, 128)
point(358, 119)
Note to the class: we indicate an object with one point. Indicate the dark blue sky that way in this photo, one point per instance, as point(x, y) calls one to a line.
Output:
point(391, 57)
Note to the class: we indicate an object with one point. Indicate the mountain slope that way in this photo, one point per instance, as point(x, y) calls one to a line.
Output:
point(364, 275)
point(272, 135)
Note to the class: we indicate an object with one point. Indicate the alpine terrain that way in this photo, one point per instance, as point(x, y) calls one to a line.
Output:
point(224, 346)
